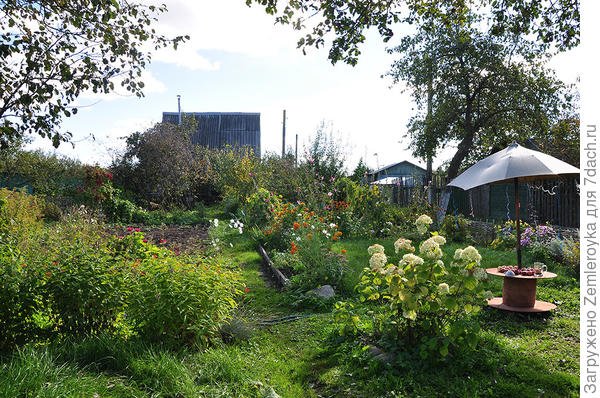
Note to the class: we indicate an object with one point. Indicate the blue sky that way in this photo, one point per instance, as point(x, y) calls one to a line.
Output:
point(238, 60)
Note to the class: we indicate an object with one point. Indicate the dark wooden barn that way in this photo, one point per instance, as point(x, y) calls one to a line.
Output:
point(219, 129)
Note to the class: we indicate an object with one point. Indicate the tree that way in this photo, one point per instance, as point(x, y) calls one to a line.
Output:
point(51, 51)
point(562, 141)
point(360, 172)
point(485, 91)
point(553, 23)
point(159, 164)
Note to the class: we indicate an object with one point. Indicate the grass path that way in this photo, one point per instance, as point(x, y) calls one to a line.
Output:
point(520, 355)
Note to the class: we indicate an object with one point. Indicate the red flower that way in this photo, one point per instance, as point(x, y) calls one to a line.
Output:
point(246, 289)
point(162, 241)
point(145, 240)
point(129, 229)
point(296, 225)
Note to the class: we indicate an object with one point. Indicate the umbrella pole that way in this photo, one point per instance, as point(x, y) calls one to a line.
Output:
point(518, 222)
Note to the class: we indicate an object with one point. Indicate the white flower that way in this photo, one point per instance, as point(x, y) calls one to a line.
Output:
point(216, 222)
point(240, 230)
point(444, 288)
point(479, 274)
point(403, 245)
point(470, 255)
point(412, 260)
point(298, 239)
point(431, 249)
point(440, 240)
point(332, 225)
point(422, 223)
point(376, 248)
point(230, 244)
point(457, 254)
point(378, 261)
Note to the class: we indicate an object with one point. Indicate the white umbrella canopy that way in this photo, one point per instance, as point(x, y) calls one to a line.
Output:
point(513, 164)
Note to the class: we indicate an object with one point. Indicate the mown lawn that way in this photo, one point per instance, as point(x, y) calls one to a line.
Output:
point(267, 353)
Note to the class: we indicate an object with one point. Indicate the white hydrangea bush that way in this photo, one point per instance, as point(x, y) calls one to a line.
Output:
point(426, 300)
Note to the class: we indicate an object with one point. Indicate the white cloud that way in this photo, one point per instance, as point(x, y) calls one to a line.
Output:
point(151, 86)
point(227, 26)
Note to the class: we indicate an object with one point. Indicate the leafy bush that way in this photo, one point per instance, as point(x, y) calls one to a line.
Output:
point(43, 174)
point(456, 228)
point(421, 301)
point(258, 209)
point(175, 299)
point(69, 279)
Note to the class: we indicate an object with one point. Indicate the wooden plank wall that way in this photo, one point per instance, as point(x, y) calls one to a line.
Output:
point(552, 201)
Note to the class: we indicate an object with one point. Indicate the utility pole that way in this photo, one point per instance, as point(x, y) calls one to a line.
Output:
point(283, 141)
point(296, 156)
point(179, 109)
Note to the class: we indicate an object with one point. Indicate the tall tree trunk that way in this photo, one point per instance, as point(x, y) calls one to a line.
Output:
point(461, 153)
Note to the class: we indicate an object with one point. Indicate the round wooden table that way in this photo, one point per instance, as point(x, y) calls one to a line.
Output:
point(518, 293)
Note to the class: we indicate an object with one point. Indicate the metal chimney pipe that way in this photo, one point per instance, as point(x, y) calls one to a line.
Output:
point(179, 108)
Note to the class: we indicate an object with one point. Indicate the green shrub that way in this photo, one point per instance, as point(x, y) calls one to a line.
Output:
point(69, 279)
point(420, 302)
point(258, 208)
point(20, 216)
point(455, 229)
point(177, 300)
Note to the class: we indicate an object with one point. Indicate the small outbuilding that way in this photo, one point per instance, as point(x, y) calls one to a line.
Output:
point(404, 173)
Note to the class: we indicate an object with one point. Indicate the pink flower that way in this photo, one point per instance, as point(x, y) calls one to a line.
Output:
point(137, 230)
point(145, 240)
point(162, 241)
point(129, 229)
point(329, 194)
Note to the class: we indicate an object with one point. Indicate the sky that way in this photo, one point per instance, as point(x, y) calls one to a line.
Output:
point(238, 60)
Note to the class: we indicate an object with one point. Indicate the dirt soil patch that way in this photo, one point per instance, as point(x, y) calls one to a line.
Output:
point(183, 238)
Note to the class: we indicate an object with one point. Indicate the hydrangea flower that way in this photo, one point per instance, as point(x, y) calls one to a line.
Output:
point(403, 245)
point(457, 254)
point(376, 248)
point(378, 261)
point(470, 255)
point(480, 274)
point(440, 240)
point(422, 223)
point(443, 288)
point(431, 249)
point(412, 260)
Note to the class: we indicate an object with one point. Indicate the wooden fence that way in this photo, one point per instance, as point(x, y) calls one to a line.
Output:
point(551, 201)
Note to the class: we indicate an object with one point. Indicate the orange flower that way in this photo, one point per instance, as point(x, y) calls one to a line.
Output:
point(296, 225)
point(294, 248)
point(305, 224)
point(344, 251)
point(336, 235)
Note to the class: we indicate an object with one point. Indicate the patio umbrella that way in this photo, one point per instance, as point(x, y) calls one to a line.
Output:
point(515, 163)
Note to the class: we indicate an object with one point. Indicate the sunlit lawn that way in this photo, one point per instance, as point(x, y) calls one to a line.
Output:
point(519, 355)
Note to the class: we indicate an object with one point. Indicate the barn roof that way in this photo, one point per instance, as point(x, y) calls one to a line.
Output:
point(384, 168)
